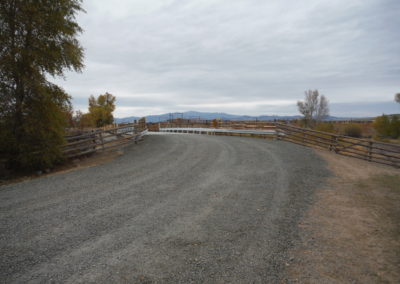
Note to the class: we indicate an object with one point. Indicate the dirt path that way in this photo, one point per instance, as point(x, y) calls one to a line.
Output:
point(173, 209)
point(352, 232)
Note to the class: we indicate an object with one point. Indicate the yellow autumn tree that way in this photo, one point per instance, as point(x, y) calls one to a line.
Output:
point(101, 109)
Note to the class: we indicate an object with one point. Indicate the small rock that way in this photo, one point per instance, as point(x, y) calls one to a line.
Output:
point(47, 171)
point(39, 173)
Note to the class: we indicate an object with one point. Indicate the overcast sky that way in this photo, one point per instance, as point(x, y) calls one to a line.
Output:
point(243, 57)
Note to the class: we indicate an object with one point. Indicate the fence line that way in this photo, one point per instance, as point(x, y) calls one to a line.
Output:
point(373, 151)
point(103, 139)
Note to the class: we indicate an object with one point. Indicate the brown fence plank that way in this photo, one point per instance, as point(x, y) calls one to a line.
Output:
point(79, 145)
point(380, 152)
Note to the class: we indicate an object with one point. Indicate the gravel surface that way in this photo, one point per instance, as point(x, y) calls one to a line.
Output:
point(172, 209)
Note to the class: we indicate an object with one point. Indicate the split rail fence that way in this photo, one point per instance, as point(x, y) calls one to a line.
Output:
point(103, 139)
point(373, 151)
point(365, 149)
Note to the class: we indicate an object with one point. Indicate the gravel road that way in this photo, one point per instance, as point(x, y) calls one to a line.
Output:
point(172, 209)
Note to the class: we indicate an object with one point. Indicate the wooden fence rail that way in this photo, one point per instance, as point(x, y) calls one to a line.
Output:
point(103, 139)
point(373, 151)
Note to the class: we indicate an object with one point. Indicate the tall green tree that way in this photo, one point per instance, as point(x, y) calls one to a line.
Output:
point(37, 40)
point(101, 109)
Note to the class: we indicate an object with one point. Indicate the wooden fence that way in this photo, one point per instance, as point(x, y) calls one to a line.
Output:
point(103, 139)
point(373, 151)
point(369, 150)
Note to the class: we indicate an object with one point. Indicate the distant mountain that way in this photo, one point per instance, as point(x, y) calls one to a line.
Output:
point(213, 115)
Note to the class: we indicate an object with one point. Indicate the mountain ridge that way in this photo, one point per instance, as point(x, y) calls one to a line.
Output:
point(216, 115)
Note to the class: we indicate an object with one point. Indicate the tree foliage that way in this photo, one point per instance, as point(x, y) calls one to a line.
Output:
point(37, 39)
point(314, 108)
point(101, 109)
point(397, 98)
point(80, 120)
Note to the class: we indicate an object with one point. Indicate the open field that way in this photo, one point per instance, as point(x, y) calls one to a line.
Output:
point(174, 208)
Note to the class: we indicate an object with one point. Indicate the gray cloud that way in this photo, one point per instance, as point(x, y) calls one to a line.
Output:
point(249, 56)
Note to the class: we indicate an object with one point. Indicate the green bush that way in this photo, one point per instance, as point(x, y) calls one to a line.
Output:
point(386, 126)
point(353, 130)
point(394, 127)
point(382, 126)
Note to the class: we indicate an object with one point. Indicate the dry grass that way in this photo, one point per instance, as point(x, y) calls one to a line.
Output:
point(352, 232)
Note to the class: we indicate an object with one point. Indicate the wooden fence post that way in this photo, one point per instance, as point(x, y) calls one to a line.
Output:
point(370, 143)
point(101, 140)
point(335, 144)
point(331, 144)
point(94, 140)
point(277, 133)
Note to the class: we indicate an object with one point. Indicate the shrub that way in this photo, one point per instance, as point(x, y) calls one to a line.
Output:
point(353, 130)
point(382, 125)
point(386, 126)
point(325, 127)
point(394, 127)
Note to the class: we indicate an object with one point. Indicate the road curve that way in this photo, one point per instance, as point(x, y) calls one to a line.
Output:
point(173, 209)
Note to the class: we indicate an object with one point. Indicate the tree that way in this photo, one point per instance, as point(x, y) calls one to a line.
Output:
point(314, 108)
point(101, 109)
point(37, 39)
point(397, 98)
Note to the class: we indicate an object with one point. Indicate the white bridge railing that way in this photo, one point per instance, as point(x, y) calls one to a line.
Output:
point(213, 131)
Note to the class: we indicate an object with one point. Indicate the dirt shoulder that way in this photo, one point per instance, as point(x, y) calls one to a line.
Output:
point(351, 234)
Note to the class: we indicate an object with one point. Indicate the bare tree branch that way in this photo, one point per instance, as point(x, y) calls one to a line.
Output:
point(314, 107)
